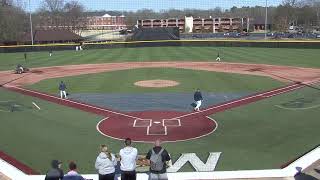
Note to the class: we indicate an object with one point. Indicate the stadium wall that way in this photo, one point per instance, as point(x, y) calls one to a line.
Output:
point(159, 43)
point(289, 171)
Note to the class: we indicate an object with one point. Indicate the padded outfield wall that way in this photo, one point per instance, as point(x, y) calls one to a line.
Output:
point(159, 43)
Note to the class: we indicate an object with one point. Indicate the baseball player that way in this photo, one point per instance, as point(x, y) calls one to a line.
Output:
point(218, 57)
point(25, 56)
point(50, 52)
point(62, 88)
point(198, 99)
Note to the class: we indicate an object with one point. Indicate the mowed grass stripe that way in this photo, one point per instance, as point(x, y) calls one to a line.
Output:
point(243, 135)
point(278, 56)
point(266, 132)
point(123, 82)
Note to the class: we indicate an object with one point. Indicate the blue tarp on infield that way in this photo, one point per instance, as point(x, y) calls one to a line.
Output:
point(154, 101)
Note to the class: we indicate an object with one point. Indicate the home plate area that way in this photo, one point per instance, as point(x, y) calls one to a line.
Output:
point(149, 126)
point(156, 127)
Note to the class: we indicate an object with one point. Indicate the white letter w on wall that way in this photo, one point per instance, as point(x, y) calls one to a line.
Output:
point(196, 162)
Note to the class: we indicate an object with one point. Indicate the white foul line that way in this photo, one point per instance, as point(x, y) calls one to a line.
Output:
point(282, 92)
point(74, 102)
point(236, 101)
point(36, 105)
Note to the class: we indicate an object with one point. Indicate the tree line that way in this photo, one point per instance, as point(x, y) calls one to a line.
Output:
point(14, 20)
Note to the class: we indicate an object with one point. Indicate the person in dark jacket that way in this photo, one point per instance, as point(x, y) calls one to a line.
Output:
point(62, 88)
point(160, 174)
point(198, 99)
point(72, 174)
point(25, 56)
point(218, 57)
point(56, 172)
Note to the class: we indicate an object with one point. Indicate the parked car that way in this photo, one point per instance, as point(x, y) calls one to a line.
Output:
point(227, 34)
point(244, 34)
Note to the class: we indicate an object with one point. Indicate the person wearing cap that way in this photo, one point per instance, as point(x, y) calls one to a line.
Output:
point(128, 158)
point(55, 173)
point(198, 99)
point(73, 173)
point(105, 164)
point(62, 89)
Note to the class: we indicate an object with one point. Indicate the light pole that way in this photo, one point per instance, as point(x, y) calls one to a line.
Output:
point(30, 19)
point(265, 22)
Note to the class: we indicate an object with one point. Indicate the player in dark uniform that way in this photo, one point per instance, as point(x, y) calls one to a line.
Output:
point(218, 57)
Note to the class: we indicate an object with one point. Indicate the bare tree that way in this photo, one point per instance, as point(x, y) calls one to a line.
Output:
point(53, 6)
point(73, 12)
point(13, 22)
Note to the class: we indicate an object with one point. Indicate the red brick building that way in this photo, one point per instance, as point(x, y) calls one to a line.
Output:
point(106, 22)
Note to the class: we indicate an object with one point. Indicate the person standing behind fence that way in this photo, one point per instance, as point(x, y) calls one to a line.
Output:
point(62, 88)
point(105, 164)
point(56, 172)
point(73, 173)
point(128, 158)
point(158, 157)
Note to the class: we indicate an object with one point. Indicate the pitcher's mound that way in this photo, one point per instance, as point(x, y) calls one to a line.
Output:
point(157, 83)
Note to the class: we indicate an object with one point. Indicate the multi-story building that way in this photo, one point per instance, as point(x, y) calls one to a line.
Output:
point(106, 22)
point(190, 24)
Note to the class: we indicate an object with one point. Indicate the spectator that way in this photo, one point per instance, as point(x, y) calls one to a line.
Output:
point(158, 157)
point(128, 157)
point(72, 174)
point(105, 164)
point(56, 172)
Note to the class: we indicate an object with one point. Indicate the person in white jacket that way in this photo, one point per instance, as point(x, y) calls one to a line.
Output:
point(128, 156)
point(105, 164)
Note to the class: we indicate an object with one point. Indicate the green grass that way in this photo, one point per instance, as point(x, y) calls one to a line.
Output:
point(123, 82)
point(266, 133)
point(278, 56)
point(255, 136)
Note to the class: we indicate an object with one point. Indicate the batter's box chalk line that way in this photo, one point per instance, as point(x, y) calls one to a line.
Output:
point(159, 133)
point(171, 122)
point(158, 127)
point(142, 123)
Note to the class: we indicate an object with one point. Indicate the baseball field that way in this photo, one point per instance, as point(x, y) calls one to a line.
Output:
point(260, 108)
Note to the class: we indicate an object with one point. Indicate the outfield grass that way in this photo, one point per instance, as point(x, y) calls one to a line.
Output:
point(266, 132)
point(278, 56)
point(256, 136)
point(123, 82)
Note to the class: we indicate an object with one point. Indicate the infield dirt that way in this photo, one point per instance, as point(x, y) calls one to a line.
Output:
point(281, 73)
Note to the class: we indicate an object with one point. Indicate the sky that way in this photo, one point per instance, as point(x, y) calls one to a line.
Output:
point(133, 5)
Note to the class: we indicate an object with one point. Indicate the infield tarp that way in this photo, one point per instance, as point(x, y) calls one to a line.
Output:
point(154, 101)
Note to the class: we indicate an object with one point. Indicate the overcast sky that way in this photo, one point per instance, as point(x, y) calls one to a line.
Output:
point(132, 5)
